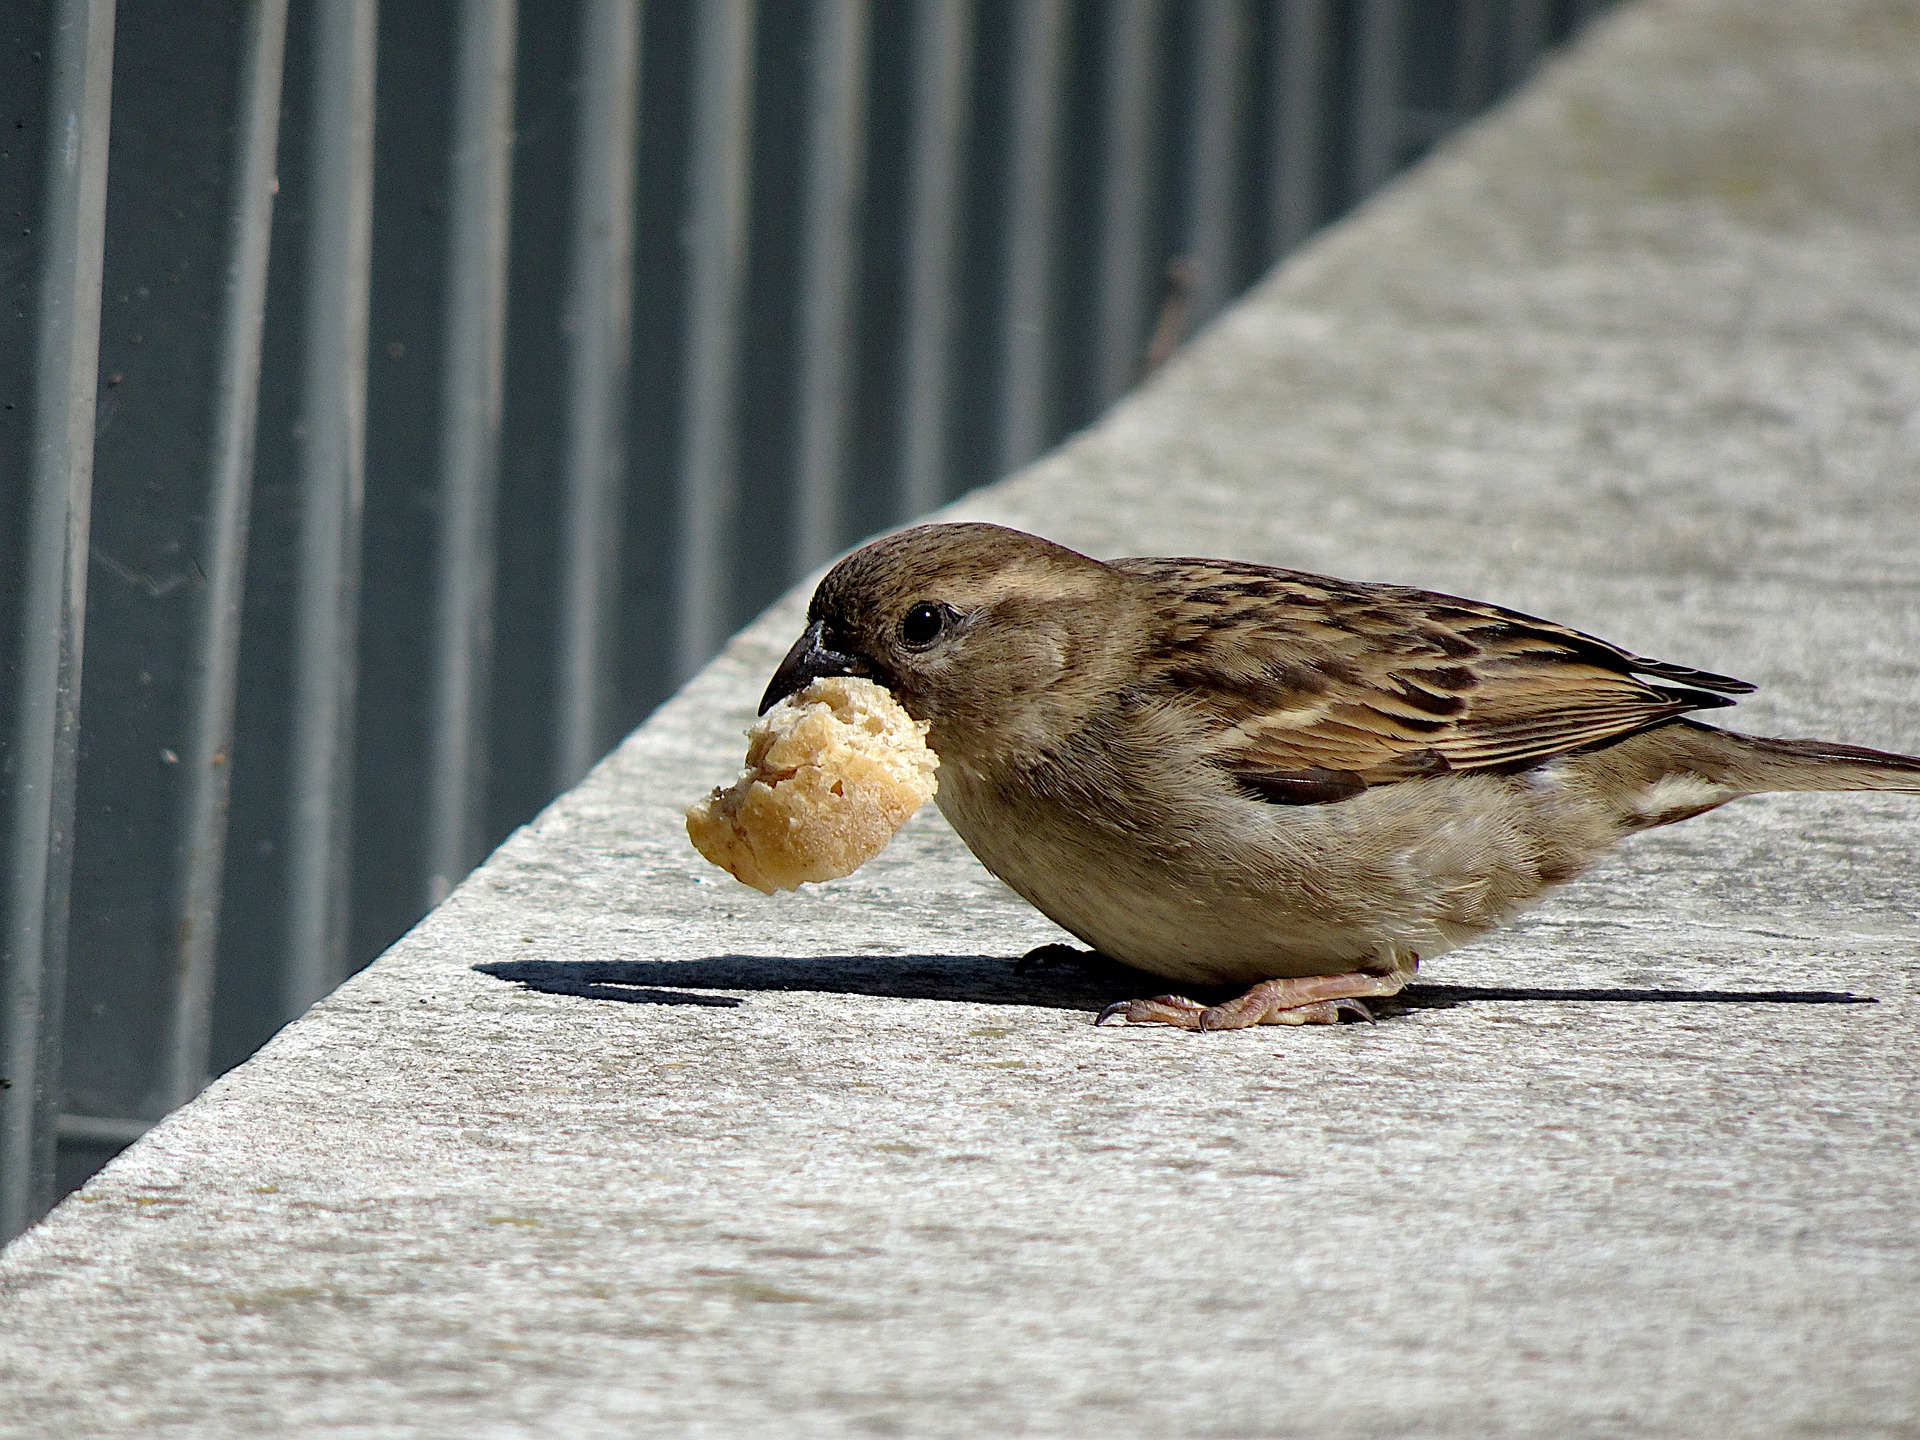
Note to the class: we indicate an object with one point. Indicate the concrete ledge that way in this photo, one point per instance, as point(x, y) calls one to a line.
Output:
point(1643, 354)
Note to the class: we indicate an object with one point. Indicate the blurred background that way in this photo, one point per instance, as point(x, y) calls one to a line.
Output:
point(401, 400)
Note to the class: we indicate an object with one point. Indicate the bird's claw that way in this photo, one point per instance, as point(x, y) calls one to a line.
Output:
point(1174, 1010)
point(1273, 1002)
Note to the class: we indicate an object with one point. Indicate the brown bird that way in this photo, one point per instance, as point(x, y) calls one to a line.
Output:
point(1233, 775)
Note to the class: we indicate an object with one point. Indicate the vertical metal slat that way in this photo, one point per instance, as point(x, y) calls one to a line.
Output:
point(1294, 202)
point(1376, 101)
point(44, 748)
point(599, 328)
point(201, 848)
point(1474, 59)
point(943, 40)
point(1219, 98)
point(1032, 198)
point(472, 364)
point(332, 483)
point(722, 135)
point(1131, 46)
point(1528, 25)
point(836, 170)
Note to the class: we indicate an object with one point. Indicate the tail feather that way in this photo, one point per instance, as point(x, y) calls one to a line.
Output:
point(1756, 764)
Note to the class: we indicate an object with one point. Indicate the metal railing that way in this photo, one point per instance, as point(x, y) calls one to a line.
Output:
point(433, 396)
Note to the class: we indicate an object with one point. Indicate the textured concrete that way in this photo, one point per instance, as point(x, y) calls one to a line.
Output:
point(610, 1144)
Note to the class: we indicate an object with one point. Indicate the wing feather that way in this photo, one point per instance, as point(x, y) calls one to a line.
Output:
point(1296, 677)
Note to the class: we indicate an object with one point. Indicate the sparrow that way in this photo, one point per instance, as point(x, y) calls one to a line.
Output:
point(1230, 775)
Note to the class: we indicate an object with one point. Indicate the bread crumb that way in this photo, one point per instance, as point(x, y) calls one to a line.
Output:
point(832, 772)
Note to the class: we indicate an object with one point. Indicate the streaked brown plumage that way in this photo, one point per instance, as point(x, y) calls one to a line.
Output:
point(1228, 774)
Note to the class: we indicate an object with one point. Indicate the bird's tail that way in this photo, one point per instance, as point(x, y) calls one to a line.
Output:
point(1755, 765)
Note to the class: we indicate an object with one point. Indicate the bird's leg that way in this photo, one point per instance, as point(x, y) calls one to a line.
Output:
point(1308, 1000)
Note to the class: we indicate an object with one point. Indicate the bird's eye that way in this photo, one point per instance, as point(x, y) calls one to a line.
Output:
point(922, 625)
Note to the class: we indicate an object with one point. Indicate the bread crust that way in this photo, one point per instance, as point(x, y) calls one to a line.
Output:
point(832, 773)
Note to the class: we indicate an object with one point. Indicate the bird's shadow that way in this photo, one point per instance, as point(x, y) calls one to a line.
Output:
point(1057, 983)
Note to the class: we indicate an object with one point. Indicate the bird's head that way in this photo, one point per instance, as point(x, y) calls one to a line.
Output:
point(1000, 640)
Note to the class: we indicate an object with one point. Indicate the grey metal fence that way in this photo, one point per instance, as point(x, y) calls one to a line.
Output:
point(400, 400)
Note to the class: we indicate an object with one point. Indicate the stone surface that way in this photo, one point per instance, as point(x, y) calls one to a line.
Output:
point(611, 1143)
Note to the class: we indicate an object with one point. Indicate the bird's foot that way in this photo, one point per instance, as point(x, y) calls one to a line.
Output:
point(1308, 1000)
point(1057, 957)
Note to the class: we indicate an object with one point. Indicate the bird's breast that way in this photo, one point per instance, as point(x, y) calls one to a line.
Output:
point(1211, 887)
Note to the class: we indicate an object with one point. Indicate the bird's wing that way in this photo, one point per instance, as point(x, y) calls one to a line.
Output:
point(1310, 689)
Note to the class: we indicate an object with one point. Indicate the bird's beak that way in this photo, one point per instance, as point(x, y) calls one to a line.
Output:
point(807, 661)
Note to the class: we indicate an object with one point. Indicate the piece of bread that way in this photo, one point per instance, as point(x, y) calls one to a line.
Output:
point(832, 772)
